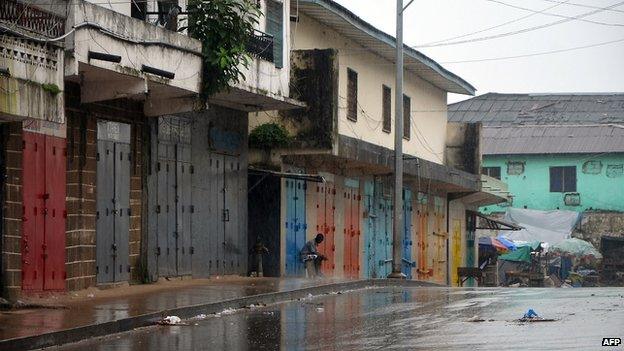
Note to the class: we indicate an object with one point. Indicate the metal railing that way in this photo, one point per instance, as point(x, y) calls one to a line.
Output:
point(31, 18)
point(260, 45)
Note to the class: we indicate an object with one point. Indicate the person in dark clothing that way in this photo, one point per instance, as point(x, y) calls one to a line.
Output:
point(311, 257)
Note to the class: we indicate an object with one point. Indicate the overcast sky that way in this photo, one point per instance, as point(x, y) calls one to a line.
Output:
point(596, 69)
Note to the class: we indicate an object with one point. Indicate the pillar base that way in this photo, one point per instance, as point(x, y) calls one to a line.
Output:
point(397, 275)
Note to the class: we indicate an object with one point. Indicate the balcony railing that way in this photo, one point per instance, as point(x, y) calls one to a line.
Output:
point(31, 18)
point(260, 45)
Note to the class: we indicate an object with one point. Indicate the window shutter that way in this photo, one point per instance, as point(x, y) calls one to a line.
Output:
point(407, 109)
point(387, 109)
point(275, 27)
point(352, 90)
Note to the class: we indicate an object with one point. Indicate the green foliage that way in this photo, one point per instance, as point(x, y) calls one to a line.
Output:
point(269, 136)
point(51, 88)
point(224, 28)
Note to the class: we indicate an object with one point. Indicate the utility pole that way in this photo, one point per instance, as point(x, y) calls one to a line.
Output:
point(397, 228)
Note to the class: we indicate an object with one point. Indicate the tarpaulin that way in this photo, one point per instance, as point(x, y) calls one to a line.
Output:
point(545, 226)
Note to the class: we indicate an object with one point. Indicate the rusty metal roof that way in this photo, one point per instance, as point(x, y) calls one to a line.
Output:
point(346, 23)
point(511, 109)
point(552, 139)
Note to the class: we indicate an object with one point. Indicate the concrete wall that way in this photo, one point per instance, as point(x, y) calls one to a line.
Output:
point(532, 188)
point(594, 225)
point(428, 103)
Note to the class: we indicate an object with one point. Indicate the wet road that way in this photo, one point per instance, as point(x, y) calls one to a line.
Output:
point(398, 318)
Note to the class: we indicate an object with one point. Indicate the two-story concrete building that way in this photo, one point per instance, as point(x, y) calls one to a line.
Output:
point(115, 172)
point(336, 173)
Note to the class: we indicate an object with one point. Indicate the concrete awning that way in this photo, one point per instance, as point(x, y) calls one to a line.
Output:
point(251, 101)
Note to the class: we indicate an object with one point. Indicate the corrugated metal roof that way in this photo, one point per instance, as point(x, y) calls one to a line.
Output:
point(505, 109)
point(552, 139)
point(346, 23)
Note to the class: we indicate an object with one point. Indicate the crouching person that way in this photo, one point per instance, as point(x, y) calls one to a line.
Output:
point(311, 257)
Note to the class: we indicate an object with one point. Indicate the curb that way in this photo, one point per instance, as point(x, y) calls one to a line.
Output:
point(126, 324)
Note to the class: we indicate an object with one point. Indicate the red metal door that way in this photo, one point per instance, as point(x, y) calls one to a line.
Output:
point(355, 235)
point(33, 191)
point(54, 240)
point(43, 239)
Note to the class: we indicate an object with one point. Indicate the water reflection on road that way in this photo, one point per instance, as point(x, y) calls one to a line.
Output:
point(399, 318)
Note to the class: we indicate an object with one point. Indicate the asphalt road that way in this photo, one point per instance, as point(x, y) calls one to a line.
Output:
point(398, 318)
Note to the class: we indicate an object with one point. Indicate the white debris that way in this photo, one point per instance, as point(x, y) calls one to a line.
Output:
point(320, 309)
point(90, 295)
point(171, 320)
point(225, 312)
point(200, 316)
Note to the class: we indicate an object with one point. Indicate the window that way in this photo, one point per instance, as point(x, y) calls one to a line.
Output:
point(387, 108)
point(563, 179)
point(407, 109)
point(138, 9)
point(275, 27)
point(515, 168)
point(494, 172)
point(168, 12)
point(352, 90)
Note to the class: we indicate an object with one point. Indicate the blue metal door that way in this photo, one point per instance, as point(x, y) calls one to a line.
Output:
point(407, 233)
point(383, 243)
point(370, 232)
point(295, 226)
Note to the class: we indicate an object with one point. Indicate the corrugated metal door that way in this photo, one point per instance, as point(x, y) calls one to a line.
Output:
point(43, 239)
point(33, 164)
point(325, 224)
point(423, 218)
point(407, 233)
point(295, 226)
point(386, 241)
point(113, 202)
point(165, 210)
point(55, 213)
point(216, 247)
point(371, 256)
point(233, 248)
point(352, 232)
point(184, 208)
point(122, 208)
point(105, 217)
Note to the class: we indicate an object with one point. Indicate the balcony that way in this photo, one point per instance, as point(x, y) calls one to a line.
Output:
point(260, 45)
point(32, 19)
point(31, 70)
point(116, 56)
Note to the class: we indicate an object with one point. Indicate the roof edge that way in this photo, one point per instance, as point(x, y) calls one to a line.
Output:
point(353, 19)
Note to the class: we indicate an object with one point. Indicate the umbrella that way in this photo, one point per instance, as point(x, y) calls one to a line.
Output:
point(489, 241)
point(576, 247)
point(508, 243)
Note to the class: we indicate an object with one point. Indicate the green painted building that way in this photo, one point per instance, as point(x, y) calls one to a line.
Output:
point(554, 151)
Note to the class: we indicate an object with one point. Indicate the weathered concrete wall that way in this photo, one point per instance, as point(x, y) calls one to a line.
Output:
point(594, 225)
point(462, 146)
point(36, 77)
point(428, 103)
point(315, 81)
point(598, 187)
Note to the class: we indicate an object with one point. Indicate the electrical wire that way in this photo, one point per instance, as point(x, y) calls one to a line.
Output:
point(555, 14)
point(520, 31)
point(535, 53)
point(581, 5)
point(498, 25)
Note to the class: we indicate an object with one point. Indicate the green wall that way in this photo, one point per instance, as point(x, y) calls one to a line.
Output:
point(532, 188)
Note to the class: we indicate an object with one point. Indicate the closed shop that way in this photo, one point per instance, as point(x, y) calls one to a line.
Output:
point(113, 202)
point(43, 231)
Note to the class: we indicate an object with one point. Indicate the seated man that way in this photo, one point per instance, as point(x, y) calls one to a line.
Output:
point(311, 257)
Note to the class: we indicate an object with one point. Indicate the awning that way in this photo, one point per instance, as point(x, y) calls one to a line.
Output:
point(288, 175)
point(489, 223)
